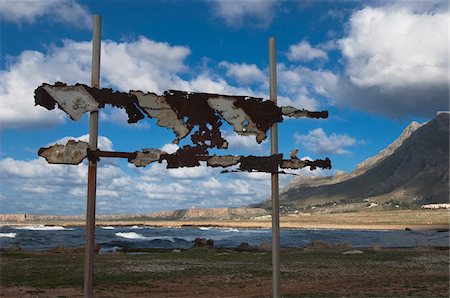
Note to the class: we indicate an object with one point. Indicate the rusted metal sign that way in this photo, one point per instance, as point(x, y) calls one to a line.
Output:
point(199, 115)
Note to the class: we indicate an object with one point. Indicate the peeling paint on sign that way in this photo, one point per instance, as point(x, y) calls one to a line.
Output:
point(199, 115)
point(75, 151)
point(157, 107)
point(182, 112)
point(147, 156)
point(72, 153)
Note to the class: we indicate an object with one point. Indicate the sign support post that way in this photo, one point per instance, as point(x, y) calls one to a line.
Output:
point(92, 167)
point(274, 176)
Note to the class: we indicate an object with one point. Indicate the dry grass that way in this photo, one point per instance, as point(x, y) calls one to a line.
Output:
point(225, 273)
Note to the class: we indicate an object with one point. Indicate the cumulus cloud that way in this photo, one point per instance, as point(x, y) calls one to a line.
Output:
point(317, 141)
point(103, 143)
point(61, 189)
point(28, 11)
point(244, 73)
point(238, 13)
point(239, 142)
point(303, 51)
point(394, 48)
point(396, 61)
point(145, 65)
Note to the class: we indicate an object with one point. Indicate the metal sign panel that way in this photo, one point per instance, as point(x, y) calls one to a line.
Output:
point(199, 115)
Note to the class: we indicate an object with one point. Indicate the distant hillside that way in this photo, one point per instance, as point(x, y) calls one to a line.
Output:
point(412, 171)
point(184, 214)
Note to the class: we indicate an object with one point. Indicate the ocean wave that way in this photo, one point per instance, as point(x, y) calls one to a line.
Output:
point(8, 235)
point(43, 228)
point(231, 230)
point(136, 236)
point(108, 228)
point(204, 228)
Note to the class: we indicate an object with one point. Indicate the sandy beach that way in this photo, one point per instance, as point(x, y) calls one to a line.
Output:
point(374, 220)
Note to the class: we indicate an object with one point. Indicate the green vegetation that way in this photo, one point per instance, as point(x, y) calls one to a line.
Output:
point(215, 272)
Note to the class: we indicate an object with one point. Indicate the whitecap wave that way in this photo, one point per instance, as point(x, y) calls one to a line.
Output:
point(8, 235)
point(136, 236)
point(204, 228)
point(136, 227)
point(108, 228)
point(231, 230)
point(130, 235)
point(43, 228)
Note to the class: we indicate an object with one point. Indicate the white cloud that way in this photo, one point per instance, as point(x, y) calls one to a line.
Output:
point(145, 64)
point(317, 141)
point(35, 186)
point(61, 11)
point(104, 143)
point(237, 13)
point(392, 48)
point(170, 148)
point(396, 61)
point(303, 51)
point(244, 73)
point(237, 141)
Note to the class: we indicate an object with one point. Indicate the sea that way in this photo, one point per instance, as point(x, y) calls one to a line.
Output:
point(111, 239)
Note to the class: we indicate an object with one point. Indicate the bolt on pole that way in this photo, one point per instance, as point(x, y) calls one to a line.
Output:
point(274, 176)
point(92, 166)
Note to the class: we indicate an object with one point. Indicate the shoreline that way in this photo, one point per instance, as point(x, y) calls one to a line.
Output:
point(364, 220)
point(234, 224)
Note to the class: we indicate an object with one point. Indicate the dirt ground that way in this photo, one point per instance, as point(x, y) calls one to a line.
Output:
point(226, 273)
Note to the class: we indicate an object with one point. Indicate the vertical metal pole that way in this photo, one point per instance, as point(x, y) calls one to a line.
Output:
point(92, 167)
point(275, 186)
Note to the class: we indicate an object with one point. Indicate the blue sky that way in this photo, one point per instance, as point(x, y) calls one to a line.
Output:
point(374, 65)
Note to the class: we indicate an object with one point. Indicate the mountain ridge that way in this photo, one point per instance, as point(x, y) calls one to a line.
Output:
point(411, 171)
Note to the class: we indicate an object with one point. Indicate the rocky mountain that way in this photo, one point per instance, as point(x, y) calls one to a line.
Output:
point(412, 171)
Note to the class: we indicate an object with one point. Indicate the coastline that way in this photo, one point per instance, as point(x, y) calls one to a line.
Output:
point(236, 224)
point(369, 220)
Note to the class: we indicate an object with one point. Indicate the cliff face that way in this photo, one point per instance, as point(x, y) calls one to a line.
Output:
point(210, 213)
point(413, 170)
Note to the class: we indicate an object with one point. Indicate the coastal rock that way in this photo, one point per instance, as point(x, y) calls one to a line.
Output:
point(265, 246)
point(323, 245)
point(203, 243)
point(13, 249)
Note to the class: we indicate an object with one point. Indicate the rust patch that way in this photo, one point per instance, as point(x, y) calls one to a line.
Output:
point(223, 161)
point(72, 153)
point(75, 151)
point(145, 157)
point(157, 107)
point(296, 113)
point(199, 115)
point(182, 112)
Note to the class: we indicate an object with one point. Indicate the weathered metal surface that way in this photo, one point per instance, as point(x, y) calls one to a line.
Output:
point(223, 161)
point(157, 107)
point(182, 112)
point(75, 151)
point(296, 113)
point(295, 163)
point(145, 157)
point(199, 115)
point(75, 101)
point(236, 117)
point(72, 153)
